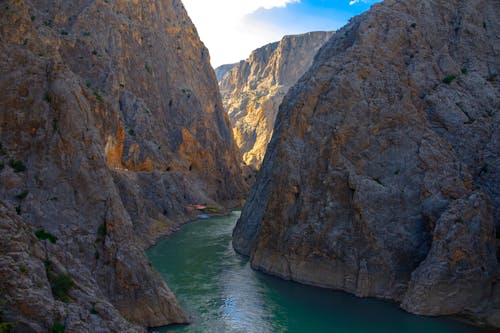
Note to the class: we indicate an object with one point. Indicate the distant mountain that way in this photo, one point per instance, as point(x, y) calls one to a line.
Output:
point(253, 89)
point(222, 70)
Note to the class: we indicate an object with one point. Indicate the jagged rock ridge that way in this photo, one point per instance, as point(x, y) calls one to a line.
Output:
point(110, 125)
point(222, 70)
point(253, 89)
point(382, 176)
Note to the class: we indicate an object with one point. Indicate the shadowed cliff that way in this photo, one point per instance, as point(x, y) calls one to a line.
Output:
point(382, 176)
point(111, 124)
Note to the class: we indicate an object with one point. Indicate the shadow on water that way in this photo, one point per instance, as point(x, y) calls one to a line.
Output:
point(223, 294)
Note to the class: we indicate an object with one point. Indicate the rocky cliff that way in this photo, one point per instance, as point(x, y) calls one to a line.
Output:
point(382, 176)
point(111, 124)
point(252, 90)
point(222, 70)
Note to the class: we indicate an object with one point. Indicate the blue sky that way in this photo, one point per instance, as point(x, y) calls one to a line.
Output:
point(231, 29)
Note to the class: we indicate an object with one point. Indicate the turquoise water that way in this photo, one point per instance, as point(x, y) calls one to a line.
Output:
point(223, 294)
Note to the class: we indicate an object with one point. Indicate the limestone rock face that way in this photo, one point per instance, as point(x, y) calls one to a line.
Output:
point(110, 125)
point(222, 70)
point(252, 90)
point(382, 176)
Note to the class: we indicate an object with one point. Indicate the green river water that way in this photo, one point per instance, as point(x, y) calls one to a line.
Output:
point(223, 294)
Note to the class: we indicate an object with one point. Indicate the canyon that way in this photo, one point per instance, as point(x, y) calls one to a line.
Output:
point(111, 130)
point(377, 147)
point(382, 175)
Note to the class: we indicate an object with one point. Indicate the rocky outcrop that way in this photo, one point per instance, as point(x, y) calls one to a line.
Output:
point(252, 90)
point(222, 70)
point(382, 175)
point(110, 125)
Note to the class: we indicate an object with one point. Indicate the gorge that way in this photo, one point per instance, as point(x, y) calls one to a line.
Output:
point(378, 154)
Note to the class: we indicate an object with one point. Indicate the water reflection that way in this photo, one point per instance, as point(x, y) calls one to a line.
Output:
point(223, 294)
point(244, 308)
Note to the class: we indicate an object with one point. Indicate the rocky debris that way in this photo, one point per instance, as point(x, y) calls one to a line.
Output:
point(381, 178)
point(110, 125)
point(252, 90)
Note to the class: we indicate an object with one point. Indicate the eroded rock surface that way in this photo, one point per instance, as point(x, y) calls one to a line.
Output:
point(110, 125)
point(252, 90)
point(382, 176)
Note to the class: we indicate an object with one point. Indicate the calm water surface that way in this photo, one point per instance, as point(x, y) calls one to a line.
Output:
point(223, 294)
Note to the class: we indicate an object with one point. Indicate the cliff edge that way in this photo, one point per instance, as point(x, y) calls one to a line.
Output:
point(253, 89)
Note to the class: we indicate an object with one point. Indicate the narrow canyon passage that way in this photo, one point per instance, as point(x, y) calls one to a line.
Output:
point(223, 294)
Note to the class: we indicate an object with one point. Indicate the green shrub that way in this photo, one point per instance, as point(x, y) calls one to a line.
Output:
point(102, 230)
point(97, 95)
point(2, 165)
point(64, 32)
point(44, 235)
point(54, 125)
point(484, 169)
point(58, 328)
point(22, 195)
point(61, 285)
point(47, 98)
point(18, 209)
point(33, 17)
point(131, 132)
point(413, 25)
point(213, 209)
point(17, 165)
point(449, 79)
point(6, 327)
point(2, 152)
point(464, 71)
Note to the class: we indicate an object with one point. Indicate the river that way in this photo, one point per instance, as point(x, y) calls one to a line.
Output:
point(223, 294)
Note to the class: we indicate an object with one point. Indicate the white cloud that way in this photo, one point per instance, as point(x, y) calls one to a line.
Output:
point(353, 2)
point(234, 8)
point(222, 27)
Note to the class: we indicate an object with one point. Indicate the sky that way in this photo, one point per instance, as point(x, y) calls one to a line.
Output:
point(232, 29)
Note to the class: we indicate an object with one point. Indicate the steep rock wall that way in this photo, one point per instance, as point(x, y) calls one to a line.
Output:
point(252, 90)
point(382, 176)
point(110, 125)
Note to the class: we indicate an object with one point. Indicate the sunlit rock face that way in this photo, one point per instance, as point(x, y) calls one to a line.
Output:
point(382, 176)
point(110, 125)
point(252, 90)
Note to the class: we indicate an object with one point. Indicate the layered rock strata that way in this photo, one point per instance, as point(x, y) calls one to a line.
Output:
point(111, 124)
point(382, 176)
point(253, 89)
